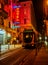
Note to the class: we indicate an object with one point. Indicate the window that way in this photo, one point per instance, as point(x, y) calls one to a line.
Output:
point(24, 21)
point(24, 4)
point(25, 11)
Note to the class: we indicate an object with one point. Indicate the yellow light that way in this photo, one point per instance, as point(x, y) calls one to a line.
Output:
point(17, 16)
point(17, 13)
point(47, 2)
point(40, 38)
point(31, 36)
point(17, 9)
point(27, 36)
point(0, 5)
point(24, 11)
point(46, 43)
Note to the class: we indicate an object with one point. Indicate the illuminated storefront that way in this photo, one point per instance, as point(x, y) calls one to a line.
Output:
point(2, 36)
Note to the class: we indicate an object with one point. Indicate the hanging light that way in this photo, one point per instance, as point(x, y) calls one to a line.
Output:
point(47, 2)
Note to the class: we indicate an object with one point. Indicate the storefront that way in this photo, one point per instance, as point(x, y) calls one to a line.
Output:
point(2, 36)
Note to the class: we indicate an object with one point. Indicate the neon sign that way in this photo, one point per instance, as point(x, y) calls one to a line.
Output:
point(16, 22)
point(16, 6)
point(15, 27)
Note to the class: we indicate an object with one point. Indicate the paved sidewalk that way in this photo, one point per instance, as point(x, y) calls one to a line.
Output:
point(42, 57)
point(10, 49)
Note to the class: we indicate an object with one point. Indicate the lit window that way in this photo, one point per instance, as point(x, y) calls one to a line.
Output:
point(17, 19)
point(24, 11)
point(0, 5)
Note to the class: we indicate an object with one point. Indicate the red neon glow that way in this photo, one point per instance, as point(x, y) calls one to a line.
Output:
point(18, 14)
point(6, 8)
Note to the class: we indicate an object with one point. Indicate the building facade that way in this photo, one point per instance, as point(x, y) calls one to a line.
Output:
point(21, 14)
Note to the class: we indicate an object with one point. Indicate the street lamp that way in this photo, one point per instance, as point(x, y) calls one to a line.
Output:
point(47, 2)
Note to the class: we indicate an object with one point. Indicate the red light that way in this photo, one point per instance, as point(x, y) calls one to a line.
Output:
point(17, 16)
point(17, 19)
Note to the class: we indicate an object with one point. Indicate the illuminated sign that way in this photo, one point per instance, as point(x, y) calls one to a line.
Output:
point(2, 31)
point(15, 27)
point(16, 6)
point(16, 22)
point(28, 31)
